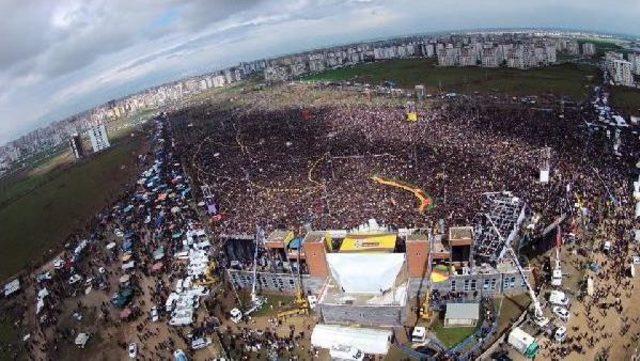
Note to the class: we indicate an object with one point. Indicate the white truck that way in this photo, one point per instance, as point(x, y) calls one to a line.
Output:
point(523, 342)
point(419, 335)
point(236, 315)
point(556, 277)
point(558, 298)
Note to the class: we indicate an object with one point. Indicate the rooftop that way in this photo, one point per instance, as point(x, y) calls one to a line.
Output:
point(463, 310)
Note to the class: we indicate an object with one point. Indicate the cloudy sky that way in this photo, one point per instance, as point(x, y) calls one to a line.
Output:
point(64, 56)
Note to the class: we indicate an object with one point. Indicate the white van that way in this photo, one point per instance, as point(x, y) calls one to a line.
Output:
point(556, 277)
point(419, 335)
point(560, 335)
point(236, 315)
point(346, 353)
point(200, 343)
point(558, 298)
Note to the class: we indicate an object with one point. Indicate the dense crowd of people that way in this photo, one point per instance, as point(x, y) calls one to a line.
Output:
point(288, 167)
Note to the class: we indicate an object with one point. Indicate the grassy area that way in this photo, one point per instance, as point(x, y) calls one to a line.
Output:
point(565, 79)
point(626, 100)
point(7, 336)
point(9, 339)
point(61, 203)
point(272, 307)
point(451, 336)
point(15, 186)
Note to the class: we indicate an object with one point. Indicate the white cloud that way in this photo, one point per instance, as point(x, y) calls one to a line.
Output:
point(60, 57)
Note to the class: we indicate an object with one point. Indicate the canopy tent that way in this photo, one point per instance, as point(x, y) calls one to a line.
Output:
point(158, 254)
point(367, 340)
point(295, 244)
point(81, 339)
point(11, 287)
point(365, 273)
point(124, 314)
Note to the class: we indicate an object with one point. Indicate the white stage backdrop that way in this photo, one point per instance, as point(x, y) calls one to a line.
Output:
point(366, 273)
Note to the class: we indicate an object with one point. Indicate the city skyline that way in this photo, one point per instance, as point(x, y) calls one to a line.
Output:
point(77, 58)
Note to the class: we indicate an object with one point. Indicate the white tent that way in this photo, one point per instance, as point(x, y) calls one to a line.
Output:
point(544, 176)
point(365, 273)
point(11, 287)
point(368, 340)
point(81, 339)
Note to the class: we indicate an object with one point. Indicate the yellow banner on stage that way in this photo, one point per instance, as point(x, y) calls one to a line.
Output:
point(412, 116)
point(383, 242)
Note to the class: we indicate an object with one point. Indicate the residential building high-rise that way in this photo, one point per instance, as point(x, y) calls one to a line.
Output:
point(620, 72)
point(588, 50)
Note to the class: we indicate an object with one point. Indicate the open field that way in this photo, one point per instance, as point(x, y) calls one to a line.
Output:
point(52, 205)
point(566, 79)
point(17, 185)
point(48, 165)
point(626, 100)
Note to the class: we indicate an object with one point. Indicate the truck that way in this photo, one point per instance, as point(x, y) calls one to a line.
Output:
point(558, 298)
point(419, 335)
point(523, 342)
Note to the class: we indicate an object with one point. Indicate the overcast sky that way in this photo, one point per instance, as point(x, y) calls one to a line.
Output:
point(61, 57)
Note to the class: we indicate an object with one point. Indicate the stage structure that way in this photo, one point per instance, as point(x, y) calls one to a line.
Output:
point(496, 226)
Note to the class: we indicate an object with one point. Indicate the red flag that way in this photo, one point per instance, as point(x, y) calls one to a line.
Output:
point(558, 237)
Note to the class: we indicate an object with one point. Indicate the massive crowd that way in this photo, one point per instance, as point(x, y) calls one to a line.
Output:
point(288, 167)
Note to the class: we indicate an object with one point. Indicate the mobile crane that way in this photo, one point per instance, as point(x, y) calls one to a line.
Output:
point(538, 315)
point(256, 301)
point(425, 308)
point(301, 304)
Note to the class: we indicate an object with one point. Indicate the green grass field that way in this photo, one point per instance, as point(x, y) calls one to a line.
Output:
point(61, 202)
point(271, 307)
point(626, 99)
point(565, 79)
point(451, 336)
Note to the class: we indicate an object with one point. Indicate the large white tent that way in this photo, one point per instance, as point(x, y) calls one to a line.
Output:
point(368, 340)
point(365, 273)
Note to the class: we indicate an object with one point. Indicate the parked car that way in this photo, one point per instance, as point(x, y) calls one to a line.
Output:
point(133, 350)
point(562, 313)
point(154, 314)
point(561, 334)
